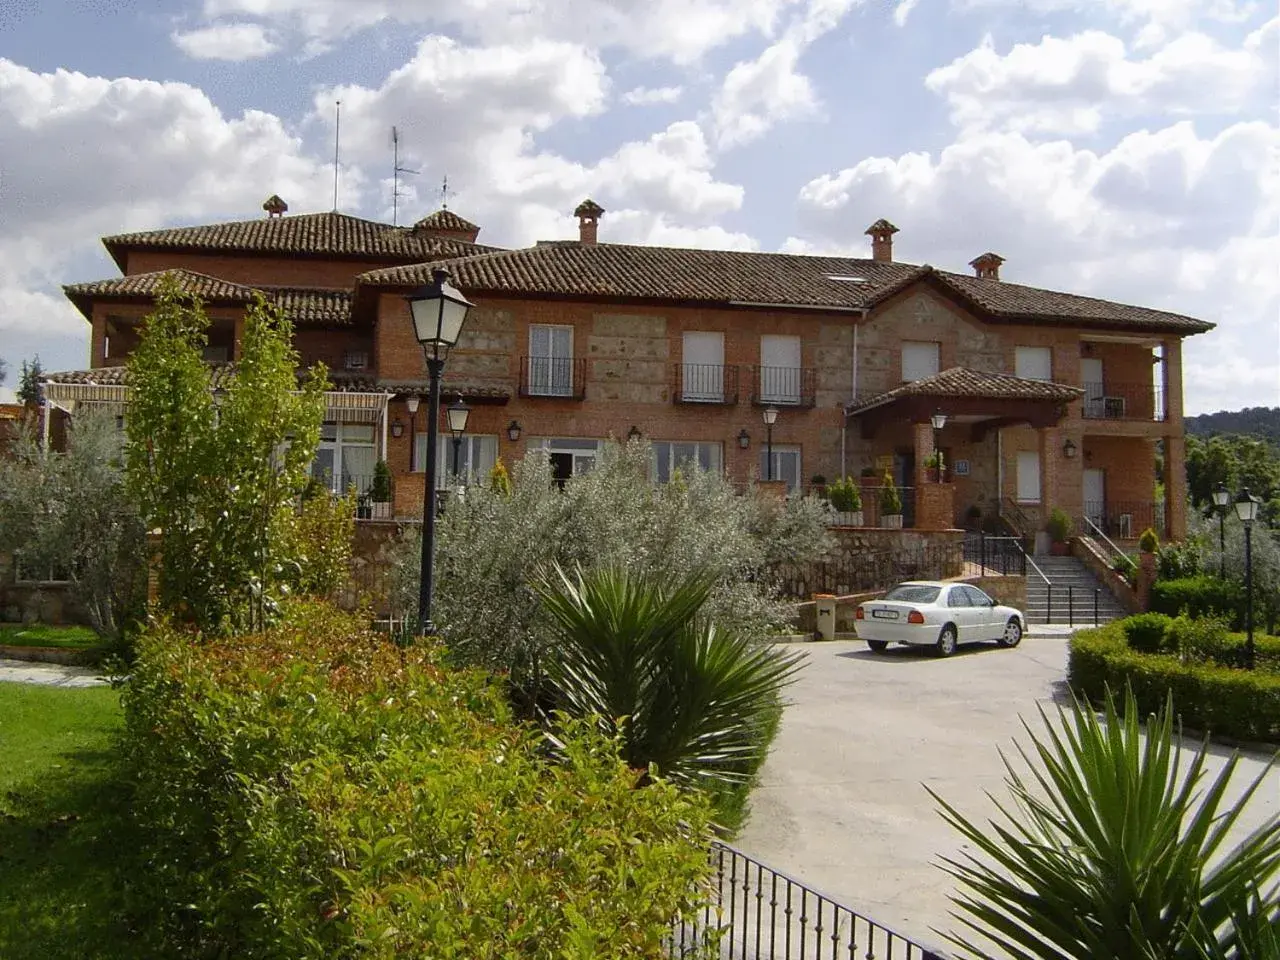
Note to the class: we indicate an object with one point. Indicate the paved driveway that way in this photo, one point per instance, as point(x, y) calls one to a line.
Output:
point(841, 806)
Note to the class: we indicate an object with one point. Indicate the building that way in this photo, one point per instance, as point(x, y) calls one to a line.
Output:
point(1051, 399)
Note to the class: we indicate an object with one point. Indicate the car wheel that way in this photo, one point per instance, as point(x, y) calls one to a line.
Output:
point(946, 644)
point(1012, 635)
point(878, 646)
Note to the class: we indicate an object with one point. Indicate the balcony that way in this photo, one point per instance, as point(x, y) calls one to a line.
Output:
point(549, 377)
point(783, 386)
point(1122, 520)
point(705, 383)
point(1123, 401)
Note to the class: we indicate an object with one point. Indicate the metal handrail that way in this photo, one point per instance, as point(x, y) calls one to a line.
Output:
point(1107, 540)
point(1032, 564)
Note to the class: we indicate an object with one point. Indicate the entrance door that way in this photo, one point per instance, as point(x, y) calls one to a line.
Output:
point(1095, 495)
point(561, 467)
point(1091, 380)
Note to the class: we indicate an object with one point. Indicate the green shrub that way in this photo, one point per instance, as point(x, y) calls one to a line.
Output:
point(1146, 632)
point(1243, 704)
point(1200, 596)
point(380, 488)
point(845, 495)
point(317, 791)
point(1149, 542)
point(1059, 525)
point(1174, 561)
point(890, 502)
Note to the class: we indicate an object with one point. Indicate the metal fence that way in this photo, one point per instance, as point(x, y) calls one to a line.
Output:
point(855, 573)
point(754, 912)
point(996, 555)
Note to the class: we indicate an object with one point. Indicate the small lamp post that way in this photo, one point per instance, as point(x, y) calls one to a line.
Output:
point(1247, 511)
point(744, 438)
point(457, 414)
point(939, 420)
point(770, 418)
point(412, 404)
point(1221, 500)
point(513, 430)
point(438, 311)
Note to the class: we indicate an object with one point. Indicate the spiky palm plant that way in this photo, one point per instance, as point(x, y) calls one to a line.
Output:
point(685, 696)
point(1111, 851)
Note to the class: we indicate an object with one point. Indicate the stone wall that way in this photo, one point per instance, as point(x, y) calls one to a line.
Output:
point(1010, 591)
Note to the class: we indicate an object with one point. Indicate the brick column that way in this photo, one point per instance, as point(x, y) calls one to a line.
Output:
point(1171, 382)
point(1050, 468)
point(924, 450)
point(935, 507)
point(1175, 488)
point(98, 346)
point(408, 491)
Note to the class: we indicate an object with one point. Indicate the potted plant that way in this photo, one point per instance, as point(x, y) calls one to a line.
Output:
point(1149, 542)
point(380, 489)
point(1059, 529)
point(973, 518)
point(890, 503)
point(819, 484)
point(846, 499)
point(935, 467)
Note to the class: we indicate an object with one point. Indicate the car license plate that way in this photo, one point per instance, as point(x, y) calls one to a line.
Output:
point(885, 614)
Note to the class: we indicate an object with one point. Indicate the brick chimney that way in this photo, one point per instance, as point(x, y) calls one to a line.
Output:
point(588, 213)
point(987, 266)
point(881, 233)
point(275, 207)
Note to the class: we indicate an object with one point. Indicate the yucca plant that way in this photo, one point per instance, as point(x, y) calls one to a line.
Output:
point(1110, 850)
point(685, 696)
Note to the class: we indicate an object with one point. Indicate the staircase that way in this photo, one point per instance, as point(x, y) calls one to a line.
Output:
point(1073, 594)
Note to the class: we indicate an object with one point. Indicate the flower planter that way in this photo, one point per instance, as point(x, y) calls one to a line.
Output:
point(1059, 549)
point(892, 521)
point(846, 519)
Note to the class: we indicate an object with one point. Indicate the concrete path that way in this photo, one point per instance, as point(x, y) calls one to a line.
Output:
point(49, 674)
point(841, 805)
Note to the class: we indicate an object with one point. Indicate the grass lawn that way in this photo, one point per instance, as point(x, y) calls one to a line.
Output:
point(61, 798)
point(44, 635)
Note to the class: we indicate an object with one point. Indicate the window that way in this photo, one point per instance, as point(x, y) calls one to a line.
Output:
point(919, 359)
point(27, 571)
point(355, 360)
point(913, 593)
point(786, 466)
point(550, 361)
point(976, 597)
point(213, 354)
point(669, 457)
point(1028, 476)
point(476, 457)
point(346, 456)
point(1033, 363)
point(569, 456)
point(702, 373)
point(780, 373)
point(957, 597)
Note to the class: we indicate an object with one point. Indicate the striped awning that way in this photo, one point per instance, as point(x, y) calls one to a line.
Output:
point(348, 406)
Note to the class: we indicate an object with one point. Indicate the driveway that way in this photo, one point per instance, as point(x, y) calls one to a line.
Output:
point(841, 804)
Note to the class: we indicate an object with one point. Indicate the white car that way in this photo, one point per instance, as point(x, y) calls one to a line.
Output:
point(928, 613)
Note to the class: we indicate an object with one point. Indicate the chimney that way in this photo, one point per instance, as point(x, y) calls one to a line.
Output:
point(881, 233)
point(588, 213)
point(987, 266)
point(275, 207)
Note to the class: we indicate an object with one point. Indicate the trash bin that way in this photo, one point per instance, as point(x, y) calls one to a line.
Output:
point(825, 610)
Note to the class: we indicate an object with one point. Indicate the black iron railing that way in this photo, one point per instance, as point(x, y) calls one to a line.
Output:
point(362, 486)
point(996, 555)
point(857, 573)
point(754, 912)
point(783, 386)
point(549, 377)
point(1073, 604)
point(705, 383)
point(1123, 519)
point(1123, 401)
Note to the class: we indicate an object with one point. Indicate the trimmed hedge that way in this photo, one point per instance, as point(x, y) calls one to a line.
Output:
point(317, 791)
point(1242, 704)
point(1200, 596)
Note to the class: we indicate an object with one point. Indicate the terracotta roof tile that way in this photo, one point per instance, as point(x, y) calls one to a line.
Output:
point(310, 234)
point(446, 220)
point(963, 382)
point(119, 376)
point(470, 389)
point(725, 277)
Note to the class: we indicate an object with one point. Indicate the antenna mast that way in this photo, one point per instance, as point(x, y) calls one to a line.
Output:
point(444, 193)
point(337, 140)
point(396, 170)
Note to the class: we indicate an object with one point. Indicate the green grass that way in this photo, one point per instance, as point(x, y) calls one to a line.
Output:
point(44, 635)
point(62, 831)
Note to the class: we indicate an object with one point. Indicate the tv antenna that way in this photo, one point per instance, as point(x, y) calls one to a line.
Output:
point(444, 193)
point(337, 142)
point(396, 170)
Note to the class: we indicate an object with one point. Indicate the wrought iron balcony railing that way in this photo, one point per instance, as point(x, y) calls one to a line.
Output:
point(1123, 401)
point(783, 386)
point(705, 383)
point(552, 377)
point(1124, 519)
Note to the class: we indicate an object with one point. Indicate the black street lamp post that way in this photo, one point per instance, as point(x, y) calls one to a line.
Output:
point(1247, 511)
point(1221, 500)
point(412, 404)
point(770, 418)
point(939, 420)
point(438, 311)
point(457, 414)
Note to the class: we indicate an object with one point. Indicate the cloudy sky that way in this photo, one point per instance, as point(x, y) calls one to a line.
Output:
point(1123, 148)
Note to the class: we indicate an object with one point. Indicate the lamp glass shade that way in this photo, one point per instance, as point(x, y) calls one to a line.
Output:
point(771, 415)
point(439, 310)
point(633, 433)
point(1221, 496)
point(939, 420)
point(397, 427)
point(1247, 506)
point(412, 404)
point(744, 438)
point(457, 413)
point(513, 430)
point(1069, 449)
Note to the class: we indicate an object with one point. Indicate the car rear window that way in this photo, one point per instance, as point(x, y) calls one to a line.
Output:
point(913, 593)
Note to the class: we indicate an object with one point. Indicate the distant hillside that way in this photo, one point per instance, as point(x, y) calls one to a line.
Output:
point(1253, 421)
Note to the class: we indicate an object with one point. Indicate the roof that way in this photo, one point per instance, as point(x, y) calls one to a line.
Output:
point(733, 277)
point(118, 376)
point(962, 382)
point(445, 219)
point(304, 305)
point(330, 234)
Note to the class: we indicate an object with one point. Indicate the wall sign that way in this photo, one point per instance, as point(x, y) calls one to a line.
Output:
point(961, 468)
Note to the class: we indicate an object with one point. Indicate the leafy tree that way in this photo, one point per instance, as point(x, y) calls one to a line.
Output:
point(4, 369)
point(1261, 422)
point(216, 473)
point(1236, 462)
point(29, 382)
point(1202, 533)
point(1113, 849)
point(69, 512)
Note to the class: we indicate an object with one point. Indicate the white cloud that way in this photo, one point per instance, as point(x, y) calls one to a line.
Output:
point(1071, 84)
point(757, 94)
point(642, 96)
point(1165, 219)
point(1156, 21)
point(225, 41)
point(678, 30)
point(903, 10)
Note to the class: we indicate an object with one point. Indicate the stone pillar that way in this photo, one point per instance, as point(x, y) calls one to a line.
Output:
point(1050, 455)
point(1175, 488)
point(1146, 577)
point(923, 433)
point(935, 506)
